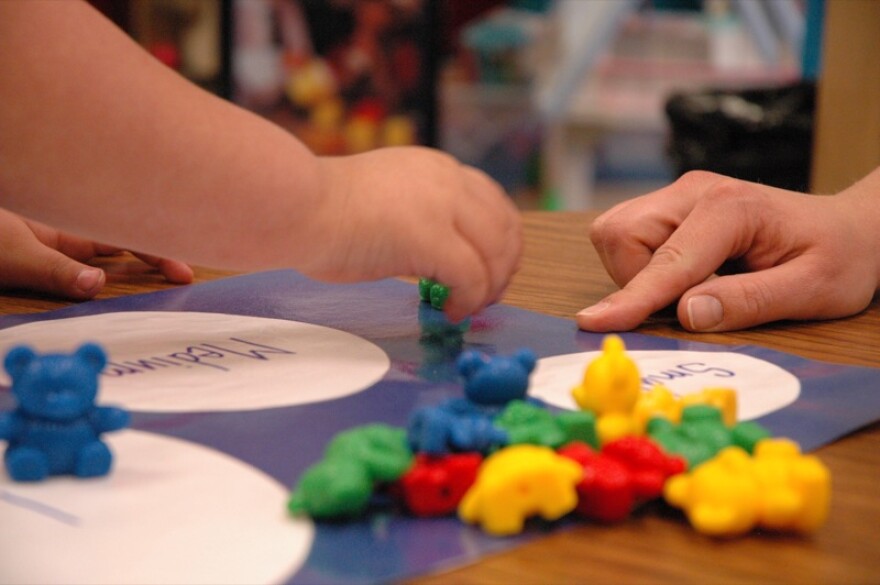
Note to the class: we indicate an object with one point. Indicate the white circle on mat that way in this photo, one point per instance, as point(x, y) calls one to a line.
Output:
point(761, 387)
point(169, 512)
point(185, 361)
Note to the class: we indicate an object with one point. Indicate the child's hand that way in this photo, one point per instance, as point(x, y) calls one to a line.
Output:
point(415, 212)
point(35, 257)
point(778, 254)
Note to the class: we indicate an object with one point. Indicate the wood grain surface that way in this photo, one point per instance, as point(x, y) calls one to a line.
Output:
point(560, 275)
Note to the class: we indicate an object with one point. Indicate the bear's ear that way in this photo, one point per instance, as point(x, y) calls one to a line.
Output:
point(92, 354)
point(527, 358)
point(469, 361)
point(18, 359)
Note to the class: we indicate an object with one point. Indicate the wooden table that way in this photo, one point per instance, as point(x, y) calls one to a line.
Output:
point(560, 275)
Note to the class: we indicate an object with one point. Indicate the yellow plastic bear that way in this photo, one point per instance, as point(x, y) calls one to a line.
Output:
point(724, 399)
point(778, 489)
point(610, 389)
point(660, 401)
point(518, 482)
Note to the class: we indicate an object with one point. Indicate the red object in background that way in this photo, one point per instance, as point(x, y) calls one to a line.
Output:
point(456, 15)
point(435, 485)
point(166, 53)
point(406, 64)
point(627, 471)
point(371, 109)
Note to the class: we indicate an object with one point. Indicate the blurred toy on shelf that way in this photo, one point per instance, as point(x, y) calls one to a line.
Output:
point(186, 35)
point(343, 77)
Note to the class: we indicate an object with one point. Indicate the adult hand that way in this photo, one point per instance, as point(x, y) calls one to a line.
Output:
point(735, 254)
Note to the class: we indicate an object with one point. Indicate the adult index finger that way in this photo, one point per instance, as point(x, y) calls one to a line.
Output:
point(720, 227)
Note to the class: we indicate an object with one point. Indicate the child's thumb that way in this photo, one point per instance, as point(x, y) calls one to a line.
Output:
point(48, 271)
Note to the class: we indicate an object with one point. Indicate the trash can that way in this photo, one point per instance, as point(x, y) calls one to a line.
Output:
point(764, 135)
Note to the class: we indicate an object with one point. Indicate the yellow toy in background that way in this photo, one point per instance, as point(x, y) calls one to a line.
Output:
point(398, 131)
point(778, 489)
point(361, 134)
point(660, 401)
point(724, 399)
point(310, 84)
point(610, 389)
point(518, 482)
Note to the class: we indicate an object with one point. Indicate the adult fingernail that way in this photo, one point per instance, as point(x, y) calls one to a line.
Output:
point(89, 279)
point(595, 309)
point(704, 312)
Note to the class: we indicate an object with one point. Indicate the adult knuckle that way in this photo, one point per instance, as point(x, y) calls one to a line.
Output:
point(696, 179)
point(607, 229)
point(757, 297)
point(733, 195)
point(668, 255)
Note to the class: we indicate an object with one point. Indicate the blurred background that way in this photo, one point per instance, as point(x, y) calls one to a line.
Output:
point(569, 104)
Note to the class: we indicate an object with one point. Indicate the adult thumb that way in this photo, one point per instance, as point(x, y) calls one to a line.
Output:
point(740, 301)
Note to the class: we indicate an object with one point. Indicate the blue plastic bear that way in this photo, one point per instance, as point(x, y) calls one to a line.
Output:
point(467, 424)
point(496, 380)
point(56, 427)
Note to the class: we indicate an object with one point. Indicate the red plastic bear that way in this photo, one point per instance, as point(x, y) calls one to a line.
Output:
point(435, 484)
point(626, 472)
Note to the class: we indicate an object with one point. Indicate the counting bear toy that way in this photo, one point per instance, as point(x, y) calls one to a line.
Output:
point(354, 463)
point(499, 457)
point(518, 482)
point(626, 472)
point(434, 486)
point(433, 292)
point(777, 489)
point(56, 428)
point(466, 424)
point(610, 389)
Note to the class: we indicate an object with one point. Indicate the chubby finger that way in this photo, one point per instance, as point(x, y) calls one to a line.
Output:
point(73, 246)
point(174, 271)
point(492, 225)
point(461, 268)
point(39, 268)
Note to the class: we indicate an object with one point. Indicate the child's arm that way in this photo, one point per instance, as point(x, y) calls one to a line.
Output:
point(101, 140)
point(778, 254)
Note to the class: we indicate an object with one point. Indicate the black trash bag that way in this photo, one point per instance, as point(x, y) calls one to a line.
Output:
point(762, 135)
